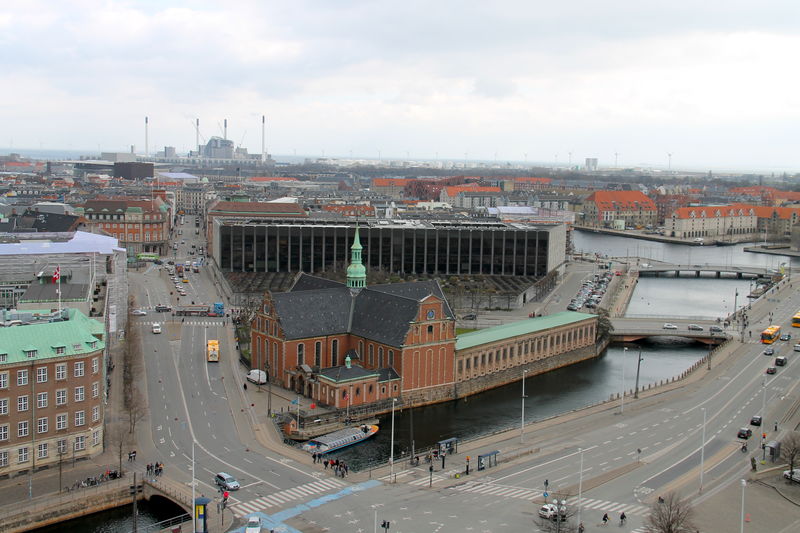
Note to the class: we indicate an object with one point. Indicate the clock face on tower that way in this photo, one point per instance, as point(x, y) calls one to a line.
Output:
point(431, 314)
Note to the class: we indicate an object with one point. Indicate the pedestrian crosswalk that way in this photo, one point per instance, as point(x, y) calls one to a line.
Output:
point(209, 322)
point(279, 499)
point(530, 494)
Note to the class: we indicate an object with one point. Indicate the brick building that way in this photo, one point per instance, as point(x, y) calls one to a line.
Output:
point(618, 209)
point(52, 384)
point(140, 225)
point(350, 345)
point(711, 221)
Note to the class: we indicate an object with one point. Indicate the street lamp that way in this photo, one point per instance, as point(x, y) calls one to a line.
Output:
point(638, 366)
point(391, 448)
point(522, 418)
point(744, 484)
point(622, 396)
point(703, 449)
point(580, 487)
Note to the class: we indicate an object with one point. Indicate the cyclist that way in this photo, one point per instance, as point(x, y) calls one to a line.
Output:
point(581, 529)
point(605, 519)
point(622, 518)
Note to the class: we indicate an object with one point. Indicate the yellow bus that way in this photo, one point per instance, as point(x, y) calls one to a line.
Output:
point(796, 320)
point(771, 334)
point(212, 351)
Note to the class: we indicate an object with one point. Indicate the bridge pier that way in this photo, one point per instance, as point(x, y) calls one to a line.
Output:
point(677, 273)
point(719, 274)
point(697, 273)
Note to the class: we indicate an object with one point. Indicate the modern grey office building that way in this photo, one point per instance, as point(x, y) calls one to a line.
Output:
point(437, 247)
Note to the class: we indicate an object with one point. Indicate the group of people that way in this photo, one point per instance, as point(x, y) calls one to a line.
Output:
point(131, 455)
point(339, 467)
point(155, 469)
point(622, 518)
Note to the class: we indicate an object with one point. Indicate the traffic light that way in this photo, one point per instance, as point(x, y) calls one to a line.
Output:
point(385, 525)
point(225, 495)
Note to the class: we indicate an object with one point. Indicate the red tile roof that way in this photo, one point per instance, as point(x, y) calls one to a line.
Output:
point(765, 211)
point(455, 189)
point(712, 211)
point(391, 182)
point(621, 201)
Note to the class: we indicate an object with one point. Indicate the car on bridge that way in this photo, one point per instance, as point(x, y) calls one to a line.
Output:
point(670, 326)
point(744, 433)
point(715, 329)
point(695, 327)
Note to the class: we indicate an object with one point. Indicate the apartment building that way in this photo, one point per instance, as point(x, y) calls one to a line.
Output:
point(141, 225)
point(711, 221)
point(52, 383)
point(618, 209)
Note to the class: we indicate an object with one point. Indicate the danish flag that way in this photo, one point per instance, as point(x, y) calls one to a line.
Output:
point(57, 274)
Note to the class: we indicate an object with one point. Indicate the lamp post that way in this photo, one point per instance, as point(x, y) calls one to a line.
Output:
point(580, 487)
point(638, 366)
point(522, 418)
point(703, 449)
point(741, 527)
point(622, 396)
point(391, 447)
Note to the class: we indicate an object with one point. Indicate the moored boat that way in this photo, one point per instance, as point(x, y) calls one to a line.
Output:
point(340, 439)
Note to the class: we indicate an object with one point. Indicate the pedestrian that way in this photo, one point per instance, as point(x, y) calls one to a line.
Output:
point(245, 386)
point(314, 457)
point(130, 457)
point(134, 455)
point(776, 425)
point(325, 462)
point(345, 469)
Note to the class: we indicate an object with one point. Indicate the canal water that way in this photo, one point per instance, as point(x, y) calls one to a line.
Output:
point(118, 520)
point(592, 381)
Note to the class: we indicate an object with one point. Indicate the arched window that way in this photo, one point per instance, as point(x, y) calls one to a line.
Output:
point(335, 352)
point(371, 355)
point(380, 356)
point(391, 358)
point(301, 354)
point(317, 353)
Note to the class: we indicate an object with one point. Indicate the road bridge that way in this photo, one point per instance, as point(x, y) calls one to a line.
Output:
point(737, 271)
point(50, 509)
point(634, 329)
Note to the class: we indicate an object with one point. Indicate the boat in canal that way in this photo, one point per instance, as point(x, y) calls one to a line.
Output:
point(340, 439)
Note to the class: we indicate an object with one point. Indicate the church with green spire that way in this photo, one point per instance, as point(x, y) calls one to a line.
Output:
point(356, 272)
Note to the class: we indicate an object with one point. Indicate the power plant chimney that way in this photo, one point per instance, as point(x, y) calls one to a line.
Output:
point(146, 140)
point(197, 135)
point(225, 131)
point(263, 138)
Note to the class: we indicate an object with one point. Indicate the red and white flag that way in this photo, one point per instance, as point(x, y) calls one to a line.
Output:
point(57, 274)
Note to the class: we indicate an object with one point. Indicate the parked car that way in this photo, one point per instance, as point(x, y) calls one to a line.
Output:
point(226, 481)
point(755, 420)
point(744, 433)
point(259, 377)
point(793, 475)
point(670, 326)
point(551, 511)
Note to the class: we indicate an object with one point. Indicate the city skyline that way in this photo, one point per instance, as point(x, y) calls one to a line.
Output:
point(625, 83)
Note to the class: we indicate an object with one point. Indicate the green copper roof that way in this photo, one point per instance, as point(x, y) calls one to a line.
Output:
point(76, 336)
point(356, 272)
point(515, 329)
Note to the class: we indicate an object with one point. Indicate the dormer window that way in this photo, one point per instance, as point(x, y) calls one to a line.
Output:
point(92, 344)
point(60, 350)
point(30, 354)
point(3, 357)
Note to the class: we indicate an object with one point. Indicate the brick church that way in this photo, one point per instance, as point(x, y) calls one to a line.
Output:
point(347, 344)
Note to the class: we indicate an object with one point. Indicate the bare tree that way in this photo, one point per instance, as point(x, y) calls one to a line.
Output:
point(790, 450)
point(119, 438)
point(566, 522)
point(136, 408)
point(670, 514)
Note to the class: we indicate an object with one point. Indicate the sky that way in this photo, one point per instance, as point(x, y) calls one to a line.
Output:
point(714, 83)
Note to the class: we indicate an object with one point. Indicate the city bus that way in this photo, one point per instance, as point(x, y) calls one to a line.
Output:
point(217, 309)
point(796, 320)
point(771, 334)
point(212, 351)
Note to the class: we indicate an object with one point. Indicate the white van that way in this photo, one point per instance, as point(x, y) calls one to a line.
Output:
point(259, 377)
point(156, 328)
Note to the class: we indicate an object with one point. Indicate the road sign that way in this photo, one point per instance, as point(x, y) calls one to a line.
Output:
point(544, 495)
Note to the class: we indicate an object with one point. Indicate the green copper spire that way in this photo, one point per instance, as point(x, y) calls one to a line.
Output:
point(356, 273)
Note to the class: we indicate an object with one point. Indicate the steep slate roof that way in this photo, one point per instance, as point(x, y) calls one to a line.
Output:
point(313, 313)
point(515, 329)
point(316, 307)
point(342, 373)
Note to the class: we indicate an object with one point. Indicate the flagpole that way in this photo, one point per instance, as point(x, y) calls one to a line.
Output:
point(58, 289)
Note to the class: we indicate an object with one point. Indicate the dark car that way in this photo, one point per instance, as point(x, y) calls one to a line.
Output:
point(786, 337)
point(771, 370)
point(745, 433)
point(163, 309)
point(715, 329)
point(780, 361)
point(471, 316)
point(755, 421)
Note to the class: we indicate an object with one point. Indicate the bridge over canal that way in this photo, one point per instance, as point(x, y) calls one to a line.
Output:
point(634, 329)
point(737, 271)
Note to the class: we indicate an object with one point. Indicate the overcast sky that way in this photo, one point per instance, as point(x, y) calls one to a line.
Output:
point(715, 82)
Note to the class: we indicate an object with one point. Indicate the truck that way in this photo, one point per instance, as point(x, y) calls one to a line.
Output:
point(179, 269)
point(218, 309)
point(212, 351)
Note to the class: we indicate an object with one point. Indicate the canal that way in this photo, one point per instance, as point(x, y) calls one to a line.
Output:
point(118, 520)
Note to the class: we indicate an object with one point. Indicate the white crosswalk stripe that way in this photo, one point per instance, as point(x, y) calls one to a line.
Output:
point(283, 497)
point(425, 481)
point(522, 493)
